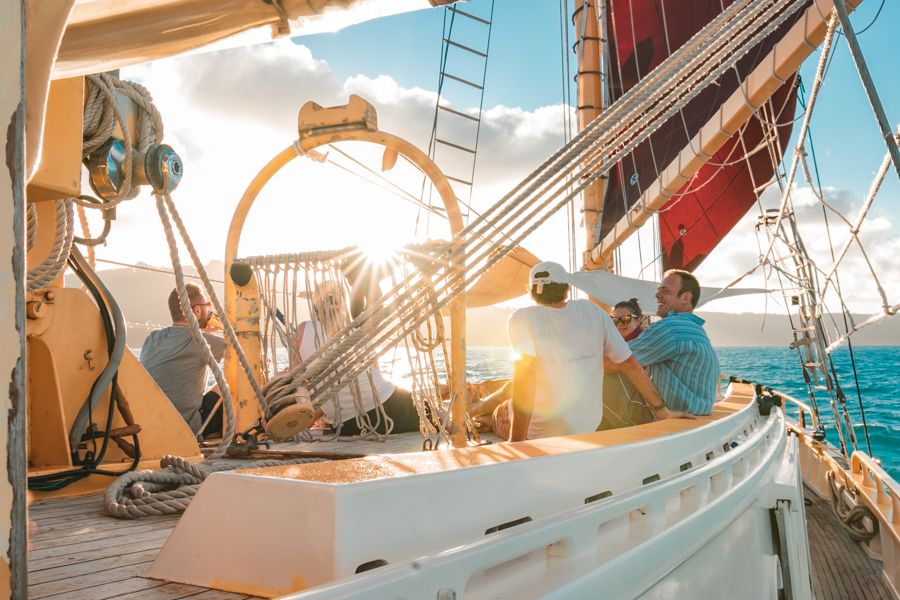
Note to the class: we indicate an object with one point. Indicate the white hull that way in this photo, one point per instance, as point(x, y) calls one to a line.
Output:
point(705, 529)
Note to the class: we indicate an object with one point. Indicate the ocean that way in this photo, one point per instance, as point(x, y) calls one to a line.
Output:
point(779, 368)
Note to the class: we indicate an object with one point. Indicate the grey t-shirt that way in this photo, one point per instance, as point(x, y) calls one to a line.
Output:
point(176, 363)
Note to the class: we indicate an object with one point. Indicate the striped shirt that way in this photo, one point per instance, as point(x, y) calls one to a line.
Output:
point(681, 362)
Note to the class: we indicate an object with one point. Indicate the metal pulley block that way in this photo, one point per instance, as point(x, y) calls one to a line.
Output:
point(160, 167)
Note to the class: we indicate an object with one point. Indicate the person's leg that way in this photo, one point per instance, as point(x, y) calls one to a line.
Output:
point(399, 408)
point(207, 405)
point(623, 406)
point(502, 421)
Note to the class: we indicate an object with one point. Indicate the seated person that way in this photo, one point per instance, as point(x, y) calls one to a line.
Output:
point(622, 405)
point(676, 351)
point(176, 362)
point(558, 380)
point(329, 314)
point(629, 319)
point(489, 405)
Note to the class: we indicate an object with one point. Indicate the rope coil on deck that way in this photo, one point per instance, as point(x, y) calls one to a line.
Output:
point(853, 518)
point(169, 491)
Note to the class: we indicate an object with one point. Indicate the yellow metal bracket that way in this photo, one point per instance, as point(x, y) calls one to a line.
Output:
point(356, 115)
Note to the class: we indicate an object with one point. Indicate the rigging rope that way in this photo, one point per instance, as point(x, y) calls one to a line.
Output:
point(590, 155)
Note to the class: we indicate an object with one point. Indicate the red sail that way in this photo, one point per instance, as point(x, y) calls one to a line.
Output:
point(721, 192)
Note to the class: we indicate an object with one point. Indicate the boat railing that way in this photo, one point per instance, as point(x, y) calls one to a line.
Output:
point(806, 416)
point(880, 493)
point(589, 544)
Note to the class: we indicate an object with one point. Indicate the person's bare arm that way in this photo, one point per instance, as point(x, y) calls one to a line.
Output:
point(638, 376)
point(522, 398)
point(486, 405)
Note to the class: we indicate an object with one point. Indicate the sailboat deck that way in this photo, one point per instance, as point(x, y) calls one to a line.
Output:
point(77, 551)
point(840, 568)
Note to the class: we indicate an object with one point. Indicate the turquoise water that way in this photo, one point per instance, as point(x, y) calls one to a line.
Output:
point(779, 368)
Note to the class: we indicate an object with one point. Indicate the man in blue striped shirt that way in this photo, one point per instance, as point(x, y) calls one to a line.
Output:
point(676, 351)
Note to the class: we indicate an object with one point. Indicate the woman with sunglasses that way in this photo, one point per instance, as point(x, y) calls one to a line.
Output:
point(621, 406)
point(628, 318)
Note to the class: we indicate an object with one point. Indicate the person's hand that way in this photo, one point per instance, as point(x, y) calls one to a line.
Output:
point(666, 413)
point(213, 325)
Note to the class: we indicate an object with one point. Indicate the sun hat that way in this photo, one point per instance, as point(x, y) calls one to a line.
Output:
point(547, 272)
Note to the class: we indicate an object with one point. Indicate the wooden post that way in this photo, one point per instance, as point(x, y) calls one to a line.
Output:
point(13, 515)
point(590, 105)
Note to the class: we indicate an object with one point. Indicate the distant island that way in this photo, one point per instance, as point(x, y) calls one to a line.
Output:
point(142, 295)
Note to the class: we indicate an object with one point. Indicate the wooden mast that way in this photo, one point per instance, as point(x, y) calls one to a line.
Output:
point(590, 104)
point(13, 583)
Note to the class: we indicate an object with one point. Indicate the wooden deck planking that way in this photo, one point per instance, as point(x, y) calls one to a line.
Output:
point(176, 591)
point(79, 552)
point(840, 568)
point(92, 580)
point(91, 566)
point(78, 526)
point(111, 536)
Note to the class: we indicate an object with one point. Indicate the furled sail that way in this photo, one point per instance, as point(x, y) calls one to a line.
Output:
point(642, 33)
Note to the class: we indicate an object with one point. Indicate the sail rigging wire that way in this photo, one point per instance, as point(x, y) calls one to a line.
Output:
point(565, 71)
point(807, 115)
point(868, 85)
point(855, 229)
point(396, 191)
point(609, 114)
point(679, 61)
point(845, 311)
point(627, 122)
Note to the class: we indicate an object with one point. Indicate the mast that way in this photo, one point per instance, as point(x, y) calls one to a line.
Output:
point(13, 583)
point(590, 105)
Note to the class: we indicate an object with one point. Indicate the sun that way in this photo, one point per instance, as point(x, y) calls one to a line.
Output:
point(379, 250)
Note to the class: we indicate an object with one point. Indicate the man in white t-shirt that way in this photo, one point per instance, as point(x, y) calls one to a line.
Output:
point(560, 346)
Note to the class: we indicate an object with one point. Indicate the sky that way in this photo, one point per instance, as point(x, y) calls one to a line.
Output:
point(229, 112)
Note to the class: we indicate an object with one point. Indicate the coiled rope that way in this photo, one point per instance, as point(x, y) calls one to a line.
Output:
point(170, 490)
point(853, 518)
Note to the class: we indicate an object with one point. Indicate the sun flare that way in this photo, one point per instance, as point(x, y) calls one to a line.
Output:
point(379, 250)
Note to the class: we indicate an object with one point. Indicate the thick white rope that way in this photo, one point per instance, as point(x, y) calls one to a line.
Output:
point(208, 358)
point(55, 263)
point(214, 298)
point(170, 490)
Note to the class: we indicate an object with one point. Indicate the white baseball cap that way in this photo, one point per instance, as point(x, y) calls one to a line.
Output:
point(547, 272)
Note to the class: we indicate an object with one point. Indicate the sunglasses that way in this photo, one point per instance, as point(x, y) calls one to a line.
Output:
point(624, 319)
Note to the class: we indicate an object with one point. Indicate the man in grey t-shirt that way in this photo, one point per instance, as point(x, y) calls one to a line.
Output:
point(175, 360)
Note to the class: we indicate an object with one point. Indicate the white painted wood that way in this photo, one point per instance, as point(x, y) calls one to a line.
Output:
point(395, 517)
point(705, 533)
point(13, 580)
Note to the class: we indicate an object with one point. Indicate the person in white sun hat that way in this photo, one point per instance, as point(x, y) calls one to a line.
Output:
point(560, 345)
